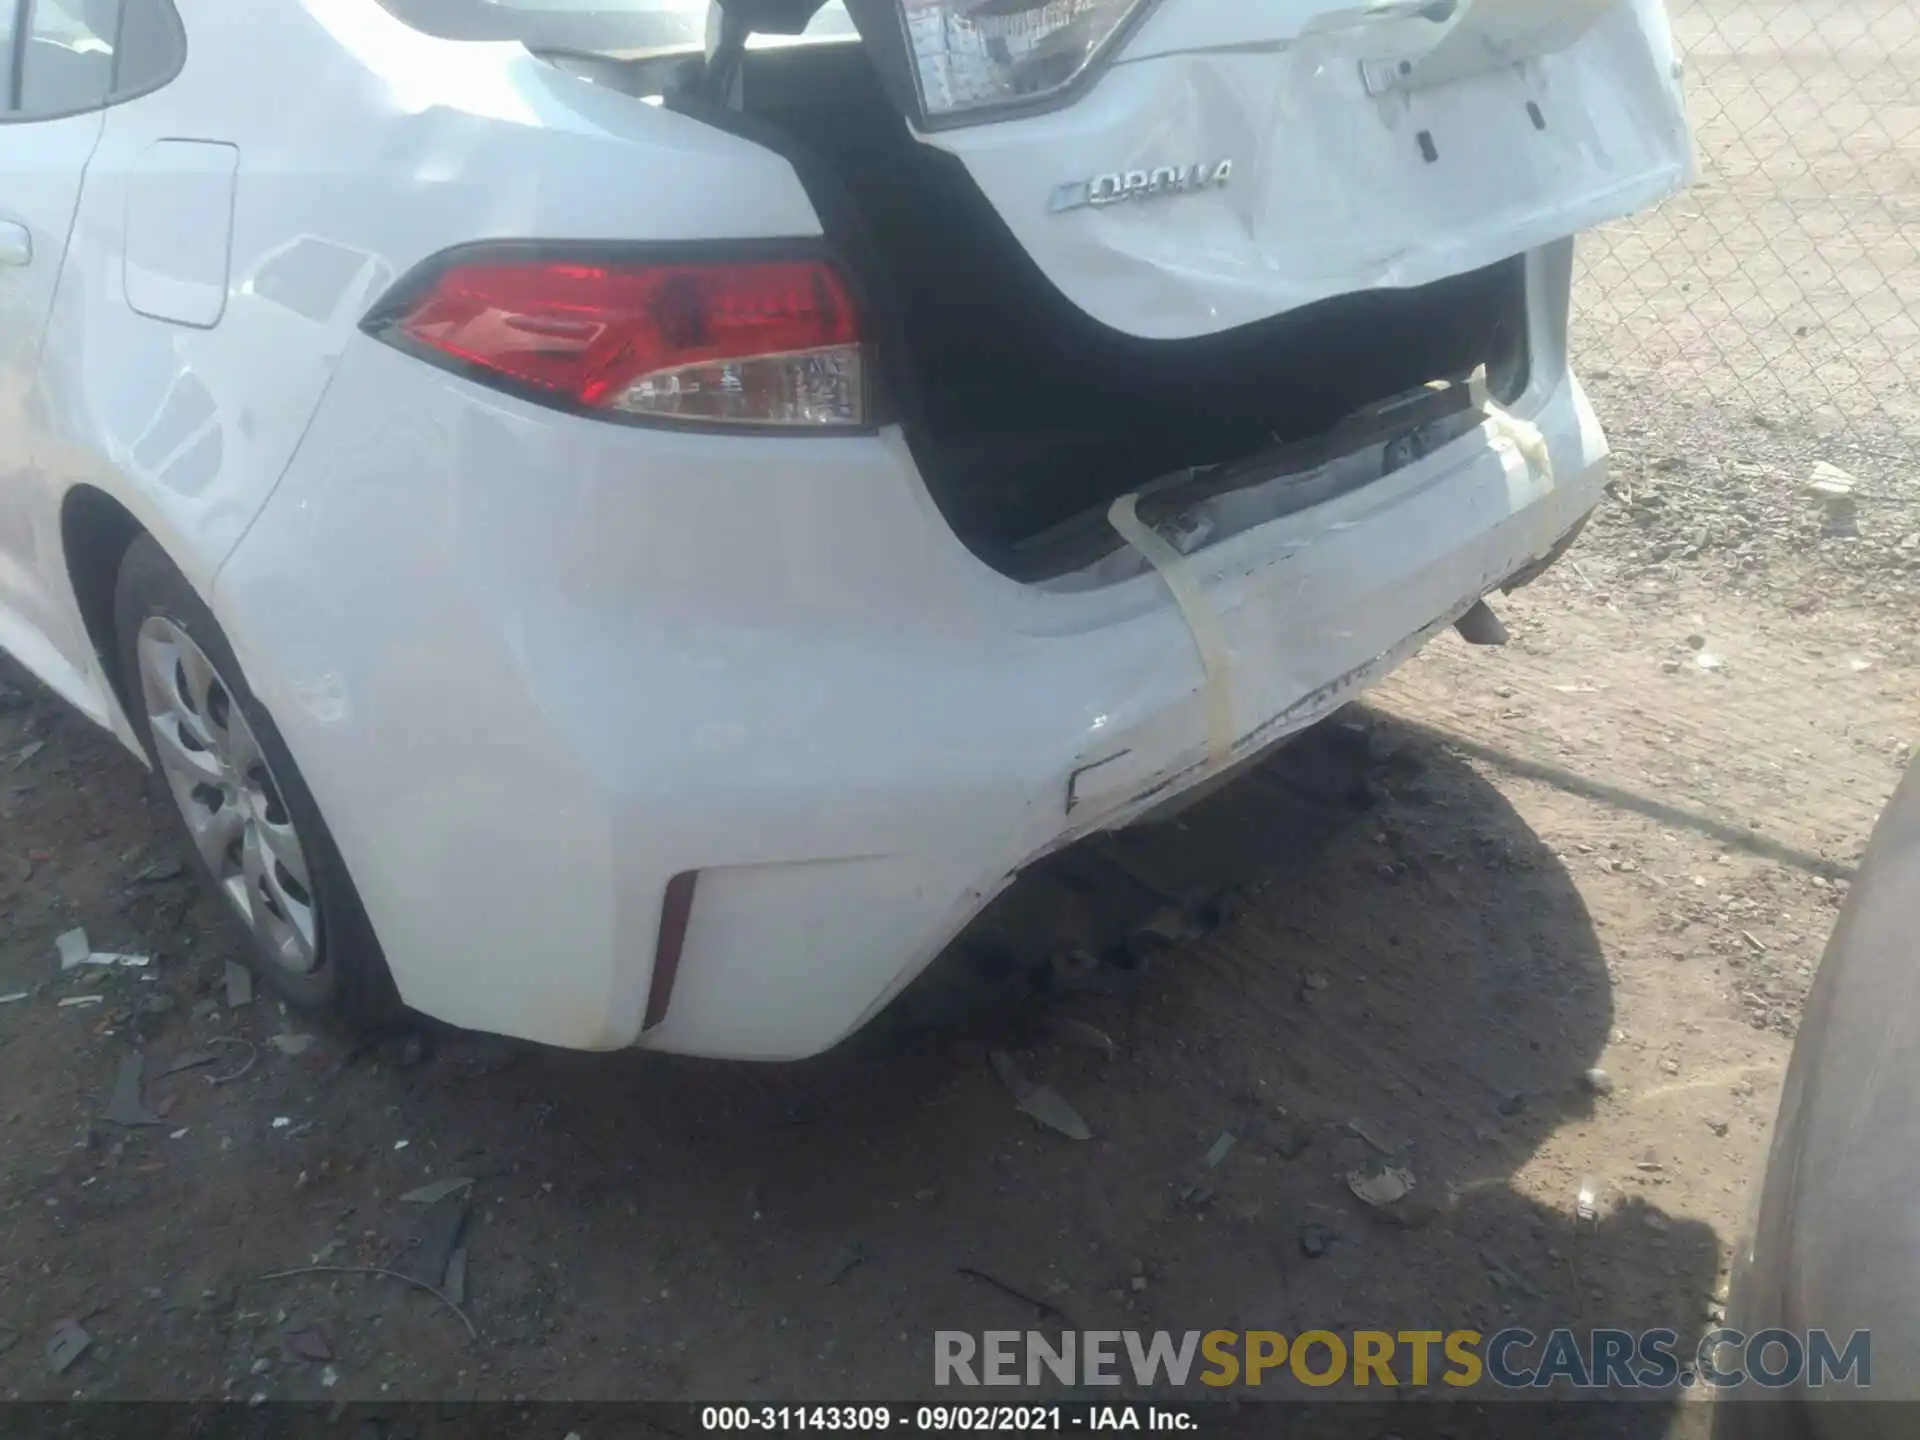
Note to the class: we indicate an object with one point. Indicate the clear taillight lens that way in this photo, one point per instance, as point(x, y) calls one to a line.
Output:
point(744, 345)
point(971, 57)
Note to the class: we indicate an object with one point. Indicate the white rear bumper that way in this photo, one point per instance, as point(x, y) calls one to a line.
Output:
point(534, 666)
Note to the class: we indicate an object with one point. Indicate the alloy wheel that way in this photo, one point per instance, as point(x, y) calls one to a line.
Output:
point(233, 806)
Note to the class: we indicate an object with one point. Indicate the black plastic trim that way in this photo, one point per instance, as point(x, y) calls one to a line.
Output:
point(1089, 537)
point(11, 114)
point(382, 322)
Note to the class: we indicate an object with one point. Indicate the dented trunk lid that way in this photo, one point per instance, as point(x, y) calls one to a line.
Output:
point(1229, 162)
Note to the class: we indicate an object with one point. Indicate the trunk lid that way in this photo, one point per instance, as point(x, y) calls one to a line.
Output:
point(1225, 163)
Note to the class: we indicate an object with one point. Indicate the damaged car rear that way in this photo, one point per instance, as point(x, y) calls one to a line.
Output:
point(804, 462)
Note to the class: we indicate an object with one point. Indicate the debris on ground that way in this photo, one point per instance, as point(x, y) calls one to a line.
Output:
point(1221, 1149)
point(67, 1344)
point(1381, 1186)
point(1376, 1138)
point(16, 995)
point(1087, 1037)
point(1504, 1277)
point(440, 1231)
point(403, 1052)
point(160, 872)
point(308, 1344)
point(473, 1331)
point(27, 751)
point(232, 1042)
point(126, 1105)
point(1170, 926)
point(843, 1263)
point(291, 1045)
point(72, 948)
point(77, 1001)
point(1071, 970)
point(456, 1282)
point(239, 986)
point(188, 1060)
point(1315, 1239)
point(1834, 488)
point(1043, 1310)
point(438, 1190)
point(74, 952)
point(1040, 1102)
point(1586, 1204)
point(1597, 1082)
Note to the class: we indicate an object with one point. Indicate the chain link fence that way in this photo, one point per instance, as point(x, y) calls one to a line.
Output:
point(1783, 290)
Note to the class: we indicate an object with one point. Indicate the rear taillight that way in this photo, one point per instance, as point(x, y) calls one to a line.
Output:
point(763, 344)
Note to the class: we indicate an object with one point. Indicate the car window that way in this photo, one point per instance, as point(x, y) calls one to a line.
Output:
point(79, 55)
point(152, 48)
point(67, 64)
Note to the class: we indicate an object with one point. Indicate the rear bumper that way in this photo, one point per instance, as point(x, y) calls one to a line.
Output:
point(532, 667)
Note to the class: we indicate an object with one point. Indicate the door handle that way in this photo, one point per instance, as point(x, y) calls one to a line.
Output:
point(16, 244)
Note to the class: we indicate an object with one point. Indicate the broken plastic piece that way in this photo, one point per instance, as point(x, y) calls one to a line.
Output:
point(68, 1343)
point(437, 1191)
point(1041, 1102)
point(441, 1229)
point(1388, 1185)
point(239, 986)
point(1585, 1203)
point(1090, 1037)
point(456, 1281)
point(73, 948)
point(126, 1107)
point(126, 962)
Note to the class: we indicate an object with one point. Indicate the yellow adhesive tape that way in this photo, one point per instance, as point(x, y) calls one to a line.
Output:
point(1523, 435)
point(1203, 622)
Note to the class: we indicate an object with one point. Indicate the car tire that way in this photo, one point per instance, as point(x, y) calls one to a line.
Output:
point(226, 773)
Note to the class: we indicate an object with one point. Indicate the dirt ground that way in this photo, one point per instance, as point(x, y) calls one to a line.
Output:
point(1617, 843)
point(1530, 920)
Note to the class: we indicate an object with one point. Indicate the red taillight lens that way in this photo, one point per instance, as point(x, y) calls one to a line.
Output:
point(747, 344)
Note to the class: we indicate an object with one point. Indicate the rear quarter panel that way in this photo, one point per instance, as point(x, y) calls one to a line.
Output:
point(360, 148)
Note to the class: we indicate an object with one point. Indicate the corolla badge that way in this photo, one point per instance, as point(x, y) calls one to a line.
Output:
point(1124, 185)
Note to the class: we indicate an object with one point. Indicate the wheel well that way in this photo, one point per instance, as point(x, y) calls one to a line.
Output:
point(95, 531)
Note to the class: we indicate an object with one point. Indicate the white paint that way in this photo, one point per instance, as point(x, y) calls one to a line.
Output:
point(1330, 190)
point(532, 666)
point(179, 230)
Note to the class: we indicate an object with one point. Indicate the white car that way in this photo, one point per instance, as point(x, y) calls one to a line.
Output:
point(620, 524)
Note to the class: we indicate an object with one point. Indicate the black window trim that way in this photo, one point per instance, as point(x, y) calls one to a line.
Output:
point(16, 60)
point(11, 113)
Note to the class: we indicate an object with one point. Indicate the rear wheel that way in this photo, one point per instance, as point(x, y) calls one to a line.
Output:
point(251, 823)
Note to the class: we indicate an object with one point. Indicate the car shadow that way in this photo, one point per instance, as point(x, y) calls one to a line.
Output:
point(1404, 975)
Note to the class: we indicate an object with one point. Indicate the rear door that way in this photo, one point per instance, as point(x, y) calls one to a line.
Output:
point(62, 60)
point(1180, 167)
